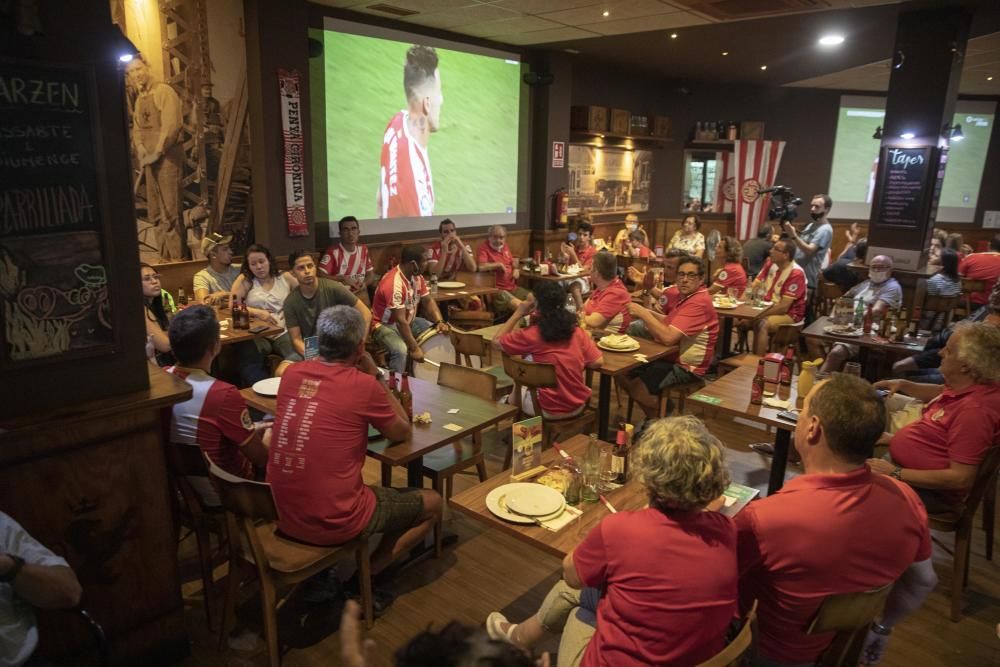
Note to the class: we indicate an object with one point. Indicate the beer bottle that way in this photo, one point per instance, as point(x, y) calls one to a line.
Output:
point(757, 391)
point(866, 327)
point(244, 314)
point(182, 299)
point(392, 385)
point(619, 457)
point(405, 397)
point(787, 366)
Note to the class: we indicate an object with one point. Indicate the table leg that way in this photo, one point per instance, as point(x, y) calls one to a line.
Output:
point(415, 479)
point(603, 405)
point(782, 441)
point(727, 337)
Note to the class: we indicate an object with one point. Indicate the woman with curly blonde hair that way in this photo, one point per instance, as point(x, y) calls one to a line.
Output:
point(652, 587)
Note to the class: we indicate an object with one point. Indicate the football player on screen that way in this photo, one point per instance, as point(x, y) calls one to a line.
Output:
point(405, 185)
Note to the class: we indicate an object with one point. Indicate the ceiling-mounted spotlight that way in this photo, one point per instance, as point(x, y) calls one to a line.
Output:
point(956, 133)
point(907, 135)
point(878, 133)
point(831, 40)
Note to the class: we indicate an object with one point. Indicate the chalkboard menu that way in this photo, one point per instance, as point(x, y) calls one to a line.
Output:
point(903, 195)
point(53, 257)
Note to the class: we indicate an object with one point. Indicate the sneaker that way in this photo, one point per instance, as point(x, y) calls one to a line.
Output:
point(323, 587)
point(494, 628)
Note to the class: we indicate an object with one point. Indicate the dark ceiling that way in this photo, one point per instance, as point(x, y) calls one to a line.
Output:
point(786, 44)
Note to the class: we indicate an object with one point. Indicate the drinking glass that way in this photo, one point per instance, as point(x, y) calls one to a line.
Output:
point(605, 472)
point(732, 293)
point(853, 368)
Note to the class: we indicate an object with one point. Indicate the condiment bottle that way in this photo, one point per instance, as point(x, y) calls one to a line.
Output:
point(866, 326)
point(619, 457)
point(787, 365)
point(757, 390)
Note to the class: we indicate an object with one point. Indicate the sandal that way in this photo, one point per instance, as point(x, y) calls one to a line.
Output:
point(494, 623)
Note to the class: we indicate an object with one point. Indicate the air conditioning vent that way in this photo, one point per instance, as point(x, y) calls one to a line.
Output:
point(392, 10)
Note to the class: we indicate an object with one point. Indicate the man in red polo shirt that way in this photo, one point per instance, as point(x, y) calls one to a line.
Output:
point(838, 528)
point(939, 455)
point(983, 266)
point(325, 407)
point(494, 255)
point(607, 307)
point(215, 418)
point(690, 322)
point(784, 285)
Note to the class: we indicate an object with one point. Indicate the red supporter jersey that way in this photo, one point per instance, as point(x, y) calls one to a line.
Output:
point(336, 261)
point(790, 283)
point(983, 266)
point(505, 276)
point(569, 358)
point(822, 535)
point(612, 304)
point(318, 448)
point(216, 418)
point(586, 256)
point(696, 318)
point(732, 275)
point(644, 252)
point(667, 602)
point(956, 426)
point(405, 185)
point(452, 261)
point(396, 291)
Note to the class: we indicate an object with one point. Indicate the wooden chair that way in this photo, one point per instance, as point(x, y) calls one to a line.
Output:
point(937, 311)
point(849, 615)
point(441, 465)
point(472, 345)
point(667, 394)
point(475, 319)
point(535, 376)
point(960, 521)
point(825, 298)
point(969, 287)
point(732, 654)
point(787, 334)
point(279, 561)
point(183, 462)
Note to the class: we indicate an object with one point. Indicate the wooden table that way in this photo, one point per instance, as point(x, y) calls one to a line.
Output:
point(743, 311)
point(733, 389)
point(864, 342)
point(463, 293)
point(473, 415)
point(472, 502)
point(229, 335)
point(532, 276)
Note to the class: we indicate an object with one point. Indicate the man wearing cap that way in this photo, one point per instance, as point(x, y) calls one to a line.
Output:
point(213, 283)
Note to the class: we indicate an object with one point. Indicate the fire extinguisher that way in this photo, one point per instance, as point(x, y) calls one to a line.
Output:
point(560, 208)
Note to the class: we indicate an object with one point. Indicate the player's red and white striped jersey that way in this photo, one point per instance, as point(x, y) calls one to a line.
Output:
point(451, 262)
point(405, 184)
point(336, 261)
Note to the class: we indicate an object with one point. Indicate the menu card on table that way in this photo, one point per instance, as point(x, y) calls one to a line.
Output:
point(527, 445)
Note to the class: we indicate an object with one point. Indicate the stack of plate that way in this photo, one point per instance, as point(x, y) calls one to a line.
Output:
point(525, 502)
point(618, 343)
point(267, 387)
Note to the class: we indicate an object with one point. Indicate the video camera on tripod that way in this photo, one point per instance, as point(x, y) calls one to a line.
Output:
point(784, 203)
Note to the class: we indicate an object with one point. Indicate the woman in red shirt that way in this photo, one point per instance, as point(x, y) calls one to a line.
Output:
point(732, 274)
point(652, 587)
point(554, 338)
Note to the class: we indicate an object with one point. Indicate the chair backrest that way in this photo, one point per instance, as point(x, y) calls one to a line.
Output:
point(186, 460)
point(970, 287)
point(787, 334)
point(469, 345)
point(985, 476)
point(826, 296)
point(735, 650)
point(244, 498)
point(477, 278)
point(849, 615)
point(944, 305)
point(470, 380)
point(528, 374)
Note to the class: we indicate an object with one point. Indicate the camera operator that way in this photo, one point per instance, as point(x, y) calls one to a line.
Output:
point(812, 243)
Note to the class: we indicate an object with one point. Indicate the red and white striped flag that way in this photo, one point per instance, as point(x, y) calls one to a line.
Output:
point(725, 179)
point(756, 165)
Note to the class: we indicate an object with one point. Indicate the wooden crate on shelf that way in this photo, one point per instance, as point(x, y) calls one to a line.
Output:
point(589, 119)
point(638, 125)
point(620, 121)
point(661, 126)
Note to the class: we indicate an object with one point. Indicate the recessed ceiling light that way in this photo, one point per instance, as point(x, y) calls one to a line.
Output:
point(907, 135)
point(573, 51)
point(673, 35)
point(831, 40)
point(725, 53)
point(989, 78)
point(605, 13)
point(763, 66)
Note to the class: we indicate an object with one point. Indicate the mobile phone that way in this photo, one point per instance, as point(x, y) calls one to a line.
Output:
point(882, 393)
point(258, 329)
point(789, 415)
point(571, 236)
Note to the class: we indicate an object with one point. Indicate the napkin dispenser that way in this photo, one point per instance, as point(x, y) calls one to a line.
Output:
point(772, 366)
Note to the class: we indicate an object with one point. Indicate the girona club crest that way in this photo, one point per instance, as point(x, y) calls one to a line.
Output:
point(750, 189)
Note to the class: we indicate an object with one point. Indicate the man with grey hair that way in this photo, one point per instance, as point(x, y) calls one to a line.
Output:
point(939, 454)
point(494, 255)
point(801, 544)
point(325, 407)
point(607, 307)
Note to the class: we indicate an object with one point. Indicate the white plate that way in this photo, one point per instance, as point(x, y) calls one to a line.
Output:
point(493, 504)
point(633, 348)
point(450, 284)
point(267, 387)
point(718, 305)
point(532, 499)
point(835, 330)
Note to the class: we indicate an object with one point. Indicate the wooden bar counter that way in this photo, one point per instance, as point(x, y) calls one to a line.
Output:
point(89, 481)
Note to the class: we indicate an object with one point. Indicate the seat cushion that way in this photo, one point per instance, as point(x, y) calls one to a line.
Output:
point(287, 555)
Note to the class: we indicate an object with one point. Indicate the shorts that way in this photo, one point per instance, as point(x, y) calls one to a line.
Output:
point(501, 301)
point(396, 510)
point(660, 374)
point(774, 322)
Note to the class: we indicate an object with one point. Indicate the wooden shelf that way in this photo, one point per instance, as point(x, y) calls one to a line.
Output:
point(611, 140)
point(710, 145)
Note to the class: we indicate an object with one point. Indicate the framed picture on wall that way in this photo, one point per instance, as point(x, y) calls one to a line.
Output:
point(752, 129)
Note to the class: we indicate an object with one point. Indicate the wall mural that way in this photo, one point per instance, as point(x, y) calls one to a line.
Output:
point(609, 179)
point(187, 102)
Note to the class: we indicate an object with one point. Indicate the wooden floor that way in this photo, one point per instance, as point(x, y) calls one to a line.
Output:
point(488, 571)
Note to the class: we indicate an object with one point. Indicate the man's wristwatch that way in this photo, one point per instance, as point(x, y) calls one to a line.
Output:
point(897, 473)
point(10, 575)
